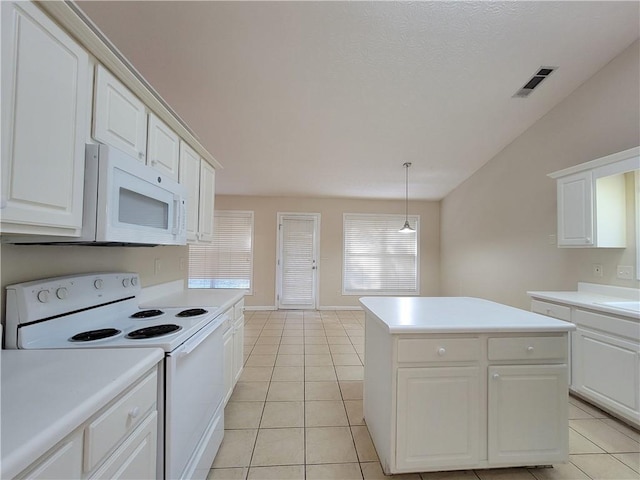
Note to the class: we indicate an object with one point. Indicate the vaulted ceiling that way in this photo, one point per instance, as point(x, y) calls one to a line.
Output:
point(331, 98)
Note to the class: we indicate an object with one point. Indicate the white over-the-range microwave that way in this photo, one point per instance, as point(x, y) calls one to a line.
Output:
point(125, 203)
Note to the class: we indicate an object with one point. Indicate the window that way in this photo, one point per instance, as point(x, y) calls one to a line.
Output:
point(228, 261)
point(378, 259)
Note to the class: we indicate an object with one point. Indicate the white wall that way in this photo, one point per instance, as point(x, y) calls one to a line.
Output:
point(495, 226)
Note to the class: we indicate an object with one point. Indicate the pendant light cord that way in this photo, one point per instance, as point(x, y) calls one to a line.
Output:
point(406, 166)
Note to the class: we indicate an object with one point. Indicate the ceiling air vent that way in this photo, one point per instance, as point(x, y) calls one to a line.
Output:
point(535, 81)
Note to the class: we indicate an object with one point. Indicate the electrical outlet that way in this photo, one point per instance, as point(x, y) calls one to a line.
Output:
point(597, 270)
point(552, 239)
point(624, 272)
point(157, 266)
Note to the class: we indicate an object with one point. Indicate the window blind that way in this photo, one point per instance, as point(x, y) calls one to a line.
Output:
point(378, 259)
point(228, 261)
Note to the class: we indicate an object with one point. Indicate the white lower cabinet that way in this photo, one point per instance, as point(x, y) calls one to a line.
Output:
point(604, 358)
point(423, 399)
point(466, 401)
point(233, 339)
point(527, 414)
point(119, 441)
point(228, 363)
point(136, 457)
point(607, 371)
point(238, 348)
point(63, 463)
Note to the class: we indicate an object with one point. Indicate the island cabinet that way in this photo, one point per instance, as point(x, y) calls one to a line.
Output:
point(439, 396)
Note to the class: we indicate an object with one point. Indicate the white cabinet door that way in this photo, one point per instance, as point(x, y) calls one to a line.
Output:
point(527, 415)
point(438, 417)
point(119, 118)
point(136, 457)
point(575, 210)
point(228, 363)
point(238, 348)
point(163, 148)
point(45, 97)
point(190, 177)
point(606, 369)
point(207, 199)
point(65, 462)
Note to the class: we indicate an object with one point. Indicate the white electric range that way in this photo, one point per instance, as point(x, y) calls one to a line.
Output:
point(100, 310)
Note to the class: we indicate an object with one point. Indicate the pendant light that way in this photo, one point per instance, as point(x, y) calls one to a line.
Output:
point(407, 228)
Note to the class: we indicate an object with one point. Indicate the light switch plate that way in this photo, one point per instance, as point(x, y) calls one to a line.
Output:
point(624, 272)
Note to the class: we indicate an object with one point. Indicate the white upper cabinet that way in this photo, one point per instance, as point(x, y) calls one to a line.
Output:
point(575, 210)
point(207, 205)
point(163, 148)
point(119, 117)
point(190, 177)
point(45, 100)
point(199, 177)
point(592, 200)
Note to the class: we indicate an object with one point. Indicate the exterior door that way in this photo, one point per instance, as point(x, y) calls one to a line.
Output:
point(297, 263)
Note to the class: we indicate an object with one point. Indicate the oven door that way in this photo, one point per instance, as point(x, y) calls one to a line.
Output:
point(194, 420)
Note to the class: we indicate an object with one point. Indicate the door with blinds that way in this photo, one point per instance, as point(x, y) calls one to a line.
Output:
point(297, 260)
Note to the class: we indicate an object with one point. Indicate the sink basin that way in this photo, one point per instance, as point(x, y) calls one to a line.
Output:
point(630, 305)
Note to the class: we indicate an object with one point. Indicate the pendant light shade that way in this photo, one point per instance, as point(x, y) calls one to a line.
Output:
point(406, 228)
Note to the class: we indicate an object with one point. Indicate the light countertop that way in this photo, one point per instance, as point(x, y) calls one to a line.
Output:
point(592, 297)
point(456, 315)
point(47, 394)
point(176, 296)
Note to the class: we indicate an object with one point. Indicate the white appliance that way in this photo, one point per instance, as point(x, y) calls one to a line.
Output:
point(125, 202)
point(100, 310)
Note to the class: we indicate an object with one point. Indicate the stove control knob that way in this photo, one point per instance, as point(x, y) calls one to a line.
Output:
point(98, 284)
point(43, 296)
point(134, 281)
point(126, 282)
point(62, 293)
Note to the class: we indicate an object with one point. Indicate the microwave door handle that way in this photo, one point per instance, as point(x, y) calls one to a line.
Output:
point(176, 215)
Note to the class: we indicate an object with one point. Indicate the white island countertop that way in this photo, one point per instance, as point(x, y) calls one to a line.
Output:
point(47, 394)
point(456, 315)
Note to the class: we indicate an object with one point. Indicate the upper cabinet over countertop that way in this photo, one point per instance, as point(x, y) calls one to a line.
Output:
point(592, 201)
point(64, 84)
point(45, 98)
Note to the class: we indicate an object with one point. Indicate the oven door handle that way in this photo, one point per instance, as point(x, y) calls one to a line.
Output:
point(191, 344)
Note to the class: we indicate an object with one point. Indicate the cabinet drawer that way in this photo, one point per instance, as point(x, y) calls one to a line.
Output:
point(551, 310)
point(607, 323)
point(438, 349)
point(109, 428)
point(528, 348)
point(238, 309)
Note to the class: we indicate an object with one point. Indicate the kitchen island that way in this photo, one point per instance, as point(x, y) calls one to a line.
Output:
point(454, 383)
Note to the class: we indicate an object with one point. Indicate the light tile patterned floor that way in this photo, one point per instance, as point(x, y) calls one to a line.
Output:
point(296, 412)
